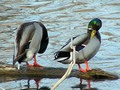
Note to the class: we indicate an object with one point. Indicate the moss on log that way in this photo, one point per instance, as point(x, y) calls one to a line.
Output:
point(97, 74)
point(48, 72)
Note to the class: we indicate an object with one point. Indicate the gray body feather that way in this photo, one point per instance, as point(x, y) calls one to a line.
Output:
point(31, 38)
point(83, 53)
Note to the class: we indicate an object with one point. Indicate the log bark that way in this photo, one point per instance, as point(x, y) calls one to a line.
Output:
point(7, 72)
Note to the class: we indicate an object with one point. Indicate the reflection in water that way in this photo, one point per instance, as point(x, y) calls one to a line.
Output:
point(63, 19)
point(44, 88)
point(83, 86)
point(37, 81)
point(88, 81)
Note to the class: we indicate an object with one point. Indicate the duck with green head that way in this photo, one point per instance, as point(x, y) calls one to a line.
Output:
point(87, 45)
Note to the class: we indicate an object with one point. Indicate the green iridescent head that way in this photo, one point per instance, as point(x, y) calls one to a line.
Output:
point(94, 25)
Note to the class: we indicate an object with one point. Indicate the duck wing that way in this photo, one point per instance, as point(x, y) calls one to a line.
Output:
point(77, 41)
point(23, 37)
point(65, 52)
point(45, 39)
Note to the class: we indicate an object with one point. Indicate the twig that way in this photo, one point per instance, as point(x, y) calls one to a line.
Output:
point(70, 67)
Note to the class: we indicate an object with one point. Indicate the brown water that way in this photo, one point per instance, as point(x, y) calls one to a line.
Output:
point(63, 19)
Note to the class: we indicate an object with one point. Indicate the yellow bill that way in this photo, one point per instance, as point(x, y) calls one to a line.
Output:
point(93, 33)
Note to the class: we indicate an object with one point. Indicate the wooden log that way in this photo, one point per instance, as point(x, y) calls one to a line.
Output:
point(10, 73)
point(97, 74)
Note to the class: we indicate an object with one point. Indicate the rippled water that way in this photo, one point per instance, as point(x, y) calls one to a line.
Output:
point(63, 19)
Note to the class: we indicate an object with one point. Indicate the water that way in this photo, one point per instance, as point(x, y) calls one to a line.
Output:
point(63, 19)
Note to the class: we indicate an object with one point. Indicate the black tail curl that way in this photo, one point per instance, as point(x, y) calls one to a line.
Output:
point(61, 54)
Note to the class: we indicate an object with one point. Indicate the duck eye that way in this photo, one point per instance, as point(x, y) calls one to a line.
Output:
point(90, 29)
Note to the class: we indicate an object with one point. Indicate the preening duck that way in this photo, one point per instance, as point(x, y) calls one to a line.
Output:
point(31, 38)
point(87, 45)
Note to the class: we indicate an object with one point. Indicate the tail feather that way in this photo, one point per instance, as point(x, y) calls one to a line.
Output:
point(19, 58)
point(22, 56)
point(61, 56)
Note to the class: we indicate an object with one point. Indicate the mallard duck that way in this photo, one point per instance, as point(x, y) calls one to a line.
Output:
point(31, 38)
point(87, 45)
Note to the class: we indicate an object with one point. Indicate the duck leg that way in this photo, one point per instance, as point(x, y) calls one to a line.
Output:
point(29, 65)
point(80, 69)
point(35, 64)
point(87, 67)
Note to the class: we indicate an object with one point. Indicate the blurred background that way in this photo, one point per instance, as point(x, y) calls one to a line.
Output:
point(63, 19)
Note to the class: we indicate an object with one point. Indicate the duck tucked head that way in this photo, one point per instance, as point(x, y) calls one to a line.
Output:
point(93, 26)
